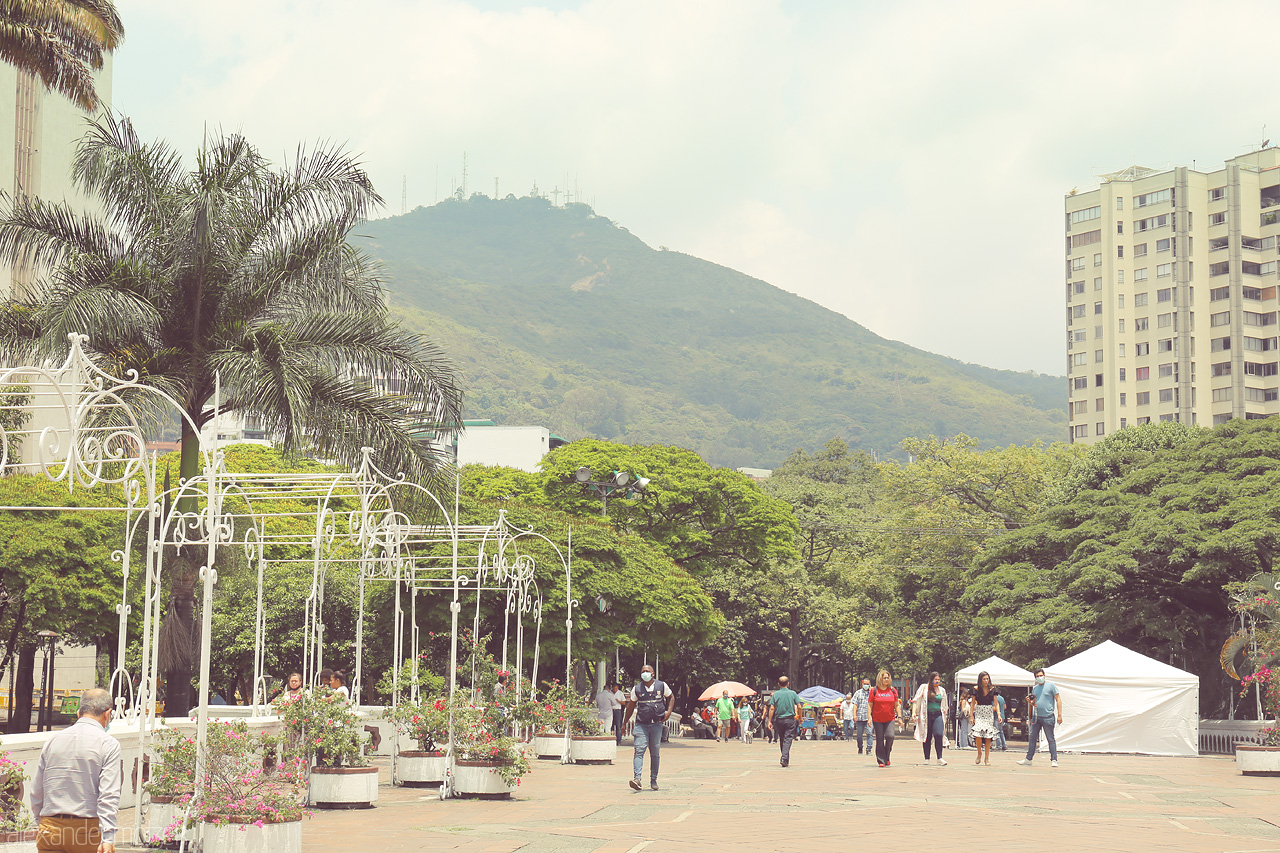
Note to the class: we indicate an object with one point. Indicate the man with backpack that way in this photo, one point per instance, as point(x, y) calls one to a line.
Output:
point(651, 701)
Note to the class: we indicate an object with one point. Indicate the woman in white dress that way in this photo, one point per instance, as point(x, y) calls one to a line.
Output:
point(984, 713)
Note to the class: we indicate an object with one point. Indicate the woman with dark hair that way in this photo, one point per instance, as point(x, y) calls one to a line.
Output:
point(929, 713)
point(984, 713)
point(962, 718)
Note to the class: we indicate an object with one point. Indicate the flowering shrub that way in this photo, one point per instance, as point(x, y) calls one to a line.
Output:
point(564, 706)
point(474, 741)
point(323, 726)
point(14, 816)
point(236, 787)
point(1260, 602)
point(427, 721)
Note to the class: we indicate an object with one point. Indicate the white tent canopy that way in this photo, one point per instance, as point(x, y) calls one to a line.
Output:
point(1117, 700)
point(1003, 673)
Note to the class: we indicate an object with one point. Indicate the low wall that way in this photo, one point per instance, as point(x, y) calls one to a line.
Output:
point(1219, 737)
point(26, 748)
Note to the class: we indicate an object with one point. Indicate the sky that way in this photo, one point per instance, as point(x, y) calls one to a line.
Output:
point(902, 163)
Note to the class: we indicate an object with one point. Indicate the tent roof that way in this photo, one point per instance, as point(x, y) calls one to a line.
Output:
point(1001, 671)
point(818, 695)
point(1110, 661)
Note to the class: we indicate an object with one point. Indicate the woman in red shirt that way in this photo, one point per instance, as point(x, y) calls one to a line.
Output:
point(886, 710)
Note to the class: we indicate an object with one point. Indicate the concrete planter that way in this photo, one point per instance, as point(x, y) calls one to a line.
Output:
point(163, 816)
point(1258, 760)
point(594, 750)
point(247, 838)
point(18, 842)
point(480, 779)
point(547, 745)
point(417, 769)
point(344, 787)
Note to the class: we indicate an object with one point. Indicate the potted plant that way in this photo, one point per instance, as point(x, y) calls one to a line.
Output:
point(241, 806)
point(1259, 599)
point(324, 728)
point(565, 709)
point(488, 763)
point(16, 830)
point(169, 789)
point(426, 723)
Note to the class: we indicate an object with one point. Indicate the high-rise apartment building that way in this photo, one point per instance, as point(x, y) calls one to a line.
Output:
point(1171, 296)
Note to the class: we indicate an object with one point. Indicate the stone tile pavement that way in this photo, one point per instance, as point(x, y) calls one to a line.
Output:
point(734, 796)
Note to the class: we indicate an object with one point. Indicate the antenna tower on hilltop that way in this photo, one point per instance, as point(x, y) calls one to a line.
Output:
point(464, 174)
point(495, 189)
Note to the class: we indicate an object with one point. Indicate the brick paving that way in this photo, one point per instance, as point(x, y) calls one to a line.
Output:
point(717, 796)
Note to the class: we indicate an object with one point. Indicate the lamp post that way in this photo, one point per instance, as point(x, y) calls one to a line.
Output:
point(44, 722)
point(620, 484)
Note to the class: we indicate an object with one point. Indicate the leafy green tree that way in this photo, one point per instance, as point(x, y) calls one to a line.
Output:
point(234, 278)
point(56, 573)
point(62, 42)
point(1144, 557)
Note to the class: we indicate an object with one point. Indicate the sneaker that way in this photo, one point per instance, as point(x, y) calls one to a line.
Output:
point(941, 762)
point(926, 761)
point(653, 786)
point(1025, 762)
point(888, 764)
point(635, 784)
point(881, 763)
point(1053, 763)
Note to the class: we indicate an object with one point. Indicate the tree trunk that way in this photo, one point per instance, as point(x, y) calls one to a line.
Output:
point(23, 688)
point(793, 649)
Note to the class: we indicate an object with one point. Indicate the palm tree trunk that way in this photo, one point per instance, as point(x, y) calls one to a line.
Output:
point(178, 631)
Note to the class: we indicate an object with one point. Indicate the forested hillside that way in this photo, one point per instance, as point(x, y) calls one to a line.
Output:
point(558, 316)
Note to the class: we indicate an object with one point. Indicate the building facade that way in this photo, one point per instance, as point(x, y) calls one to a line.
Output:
point(1171, 296)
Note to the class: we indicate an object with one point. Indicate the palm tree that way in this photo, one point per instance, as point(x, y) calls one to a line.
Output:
point(233, 271)
point(61, 42)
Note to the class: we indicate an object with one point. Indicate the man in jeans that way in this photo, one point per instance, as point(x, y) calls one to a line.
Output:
point(862, 715)
point(651, 701)
point(848, 711)
point(1044, 701)
point(784, 717)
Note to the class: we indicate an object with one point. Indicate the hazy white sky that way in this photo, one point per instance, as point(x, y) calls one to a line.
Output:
point(903, 163)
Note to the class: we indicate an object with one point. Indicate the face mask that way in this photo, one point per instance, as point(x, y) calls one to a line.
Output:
point(1039, 679)
point(646, 676)
point(866, 687)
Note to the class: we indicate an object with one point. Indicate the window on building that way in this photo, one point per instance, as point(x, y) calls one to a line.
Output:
point(1163, 270)
point(1222, 368)
point(1080, 358)
point(1164, 345)
point(1220, 344)
point(1097, 332)
point(1076, 264)
point(1164, 419)
point(1097, 283)
point(1097, 259)
point(1142, 398)
point(1253, 318)
point(1142, 373)
point(1097, 404)
point(1139, 299)
point(1218, 420)
point(1166, 395)
point(1152, 198)
point(1167, 294)
point(1122, 374)
point(1097, 307)
point(1164, 245)
point(1261, 395)
point(1219, 218)
point(1140, 324)
point(1077, 311)
point(1119, 227)
point(1142, 349)
point(1086, 239)
point(1097, 377)
point(1121, 328)
point(1140, 250)
point(1253, 368)
point(1089, 213)
point(1119, 204)
point(1120, 254)
point(1080, 382)
point(1124, 399)
point(1123, 423)
point(1165, 370)
point(1120, 350)
point(1080, 407)
point(1077, 287)
point(1140, 275)
point(1220, 268)
point(1153, 222)
point(1079, 336)
point(1164, 320)
point(1251, 268)
point(1217, 293)
point(1080, 431)
point(1120, 300)
point(1217, 193)
point(1221, 319)
point(1260, 344)
point(1222, 395)
point(1251, 293)
point(1100, 429)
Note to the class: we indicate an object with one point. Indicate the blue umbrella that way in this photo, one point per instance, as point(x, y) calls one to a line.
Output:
point(820, 696)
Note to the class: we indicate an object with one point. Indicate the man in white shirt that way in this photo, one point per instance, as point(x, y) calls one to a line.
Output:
point(604, 707)
point(848, 711)
point(619, 702)
point(75, 792)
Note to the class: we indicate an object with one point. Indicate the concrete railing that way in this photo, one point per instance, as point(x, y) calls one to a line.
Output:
point(1219, 737)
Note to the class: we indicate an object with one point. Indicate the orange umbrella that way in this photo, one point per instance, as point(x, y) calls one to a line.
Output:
point(735, 688)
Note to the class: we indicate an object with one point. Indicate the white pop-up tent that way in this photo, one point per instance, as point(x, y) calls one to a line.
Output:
point(1117, 700)
point(1003, 674)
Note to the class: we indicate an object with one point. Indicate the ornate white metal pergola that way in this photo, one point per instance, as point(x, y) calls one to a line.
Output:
point(87, 428)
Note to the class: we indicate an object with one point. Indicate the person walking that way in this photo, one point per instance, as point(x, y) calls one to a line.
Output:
point(963, 726)
point(929, 713)
point(984, 713)
point(1043, 706)
point(862, 714)
point(604, 707)
point(619, 702)
point(886, 711)
point(848, 713)
point(745, 715)
point(651, 702)
point(784, 717)
point(1003, 710)
point(724, 713)
point(75, 792)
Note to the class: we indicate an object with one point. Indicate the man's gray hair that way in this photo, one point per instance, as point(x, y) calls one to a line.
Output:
point(94, 702)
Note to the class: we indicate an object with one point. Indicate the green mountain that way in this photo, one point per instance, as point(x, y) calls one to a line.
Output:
point(557, 316)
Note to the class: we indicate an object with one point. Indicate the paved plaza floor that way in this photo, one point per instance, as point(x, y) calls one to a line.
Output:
point(723, 797)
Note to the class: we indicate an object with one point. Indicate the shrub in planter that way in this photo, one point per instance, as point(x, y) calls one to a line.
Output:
point(474, 741)
point(170, 785)
point(425, 722)
point(16, 824)
point(322, 727)
point(236, 789)
point(565, 707)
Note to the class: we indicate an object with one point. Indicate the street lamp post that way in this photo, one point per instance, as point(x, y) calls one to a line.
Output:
point(44, 720)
